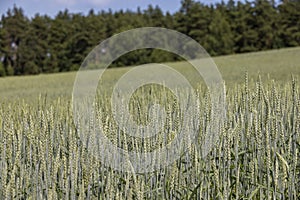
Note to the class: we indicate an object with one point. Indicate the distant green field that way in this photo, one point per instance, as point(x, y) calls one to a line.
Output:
point(275, 64)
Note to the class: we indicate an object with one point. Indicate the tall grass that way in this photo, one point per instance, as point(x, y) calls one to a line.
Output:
point(255, 157)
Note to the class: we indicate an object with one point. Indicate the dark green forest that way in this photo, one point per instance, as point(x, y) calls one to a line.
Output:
point(44, 44)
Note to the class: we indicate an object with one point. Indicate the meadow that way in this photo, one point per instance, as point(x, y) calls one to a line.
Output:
point(256, 155)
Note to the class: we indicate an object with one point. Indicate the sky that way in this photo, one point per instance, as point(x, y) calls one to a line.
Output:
point(51, 7)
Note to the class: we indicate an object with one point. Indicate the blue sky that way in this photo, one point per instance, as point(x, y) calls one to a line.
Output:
point(51, 7)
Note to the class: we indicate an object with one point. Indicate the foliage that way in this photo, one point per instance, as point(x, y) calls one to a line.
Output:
point(61, 43)
point(2, 70)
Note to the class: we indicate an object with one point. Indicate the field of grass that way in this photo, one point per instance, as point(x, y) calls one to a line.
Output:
point(256, 155)
point(276, 65)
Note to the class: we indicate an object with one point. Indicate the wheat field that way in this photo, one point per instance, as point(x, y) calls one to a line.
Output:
point(256, 154)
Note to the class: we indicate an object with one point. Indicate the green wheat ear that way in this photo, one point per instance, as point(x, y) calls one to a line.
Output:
point(257, 154)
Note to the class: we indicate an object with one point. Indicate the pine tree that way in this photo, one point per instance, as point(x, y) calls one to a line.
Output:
point(245, 33)
point(265, 24)
point(290, 23)
point(15, 24)
point(59, 38)
point(34, 49)
point(2, 70)
point(220, 37)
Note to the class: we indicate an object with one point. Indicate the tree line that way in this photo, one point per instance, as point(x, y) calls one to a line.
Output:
point(44, 44)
